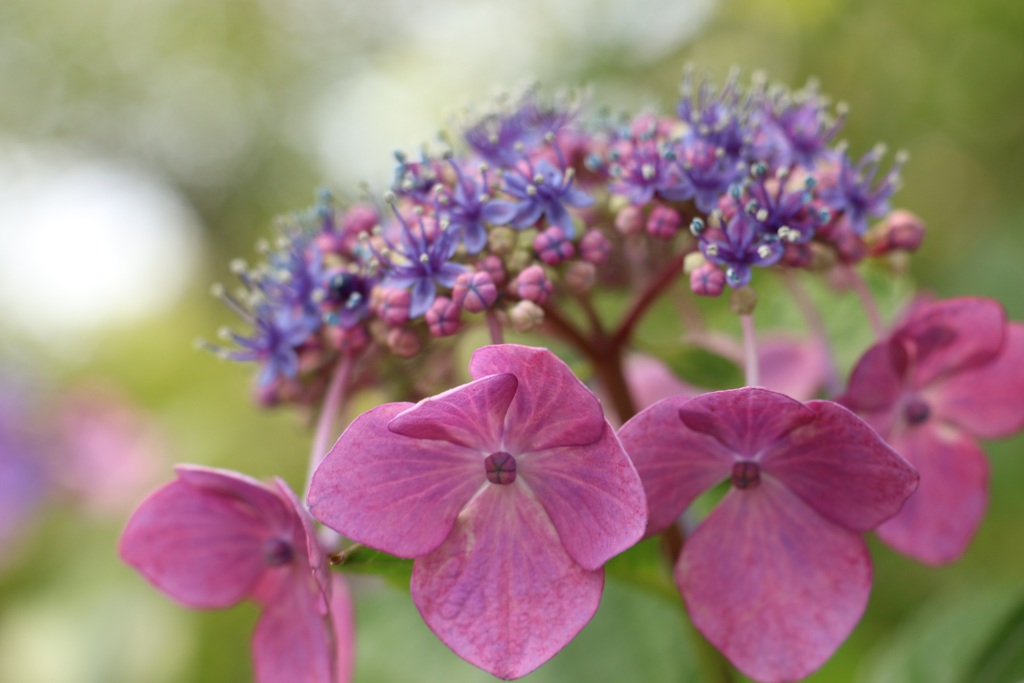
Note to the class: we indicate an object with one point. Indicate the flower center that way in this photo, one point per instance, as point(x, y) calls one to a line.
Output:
point(917, 411)
point(277, 552)
point(746, 474)
point(500, 468)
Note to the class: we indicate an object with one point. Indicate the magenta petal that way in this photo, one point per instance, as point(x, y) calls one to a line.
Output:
point(877, 380)
point(342, 621)
point(501, 591)
point(202, 547)
point(305, 536)
point(938, 521)
point(675, 464)
point(391, 492)
point(593, 496)
point(294, 642)
point(472, 415)
point(987, 401)
point(791, 366)
point(552, 407)
point(744, 420)
point(951, 335)
point(842, 468)
point(650, 380)
point(772, 584)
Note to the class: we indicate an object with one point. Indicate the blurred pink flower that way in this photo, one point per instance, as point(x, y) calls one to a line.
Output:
point(213, 538)
point(950, 373)
point(777, 575)
point(510, 492)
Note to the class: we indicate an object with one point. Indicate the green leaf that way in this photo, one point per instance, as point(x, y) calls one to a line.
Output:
point(359, 559)
point(644, 565)
point(705, 369)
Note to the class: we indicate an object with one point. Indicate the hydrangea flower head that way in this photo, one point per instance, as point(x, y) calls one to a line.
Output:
point(510, 492)
point(777, 575)
point(951, 373)
point(213, 538)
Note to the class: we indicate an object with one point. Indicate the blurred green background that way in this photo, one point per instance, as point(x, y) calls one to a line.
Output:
point(144, 143)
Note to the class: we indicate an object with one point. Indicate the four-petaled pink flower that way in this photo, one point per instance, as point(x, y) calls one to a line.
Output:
point(952, 372)
point(777, 575)
point(213, 538)
point(510, 492)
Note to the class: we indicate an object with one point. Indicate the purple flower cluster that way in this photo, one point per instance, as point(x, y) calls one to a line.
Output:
point(511, 491)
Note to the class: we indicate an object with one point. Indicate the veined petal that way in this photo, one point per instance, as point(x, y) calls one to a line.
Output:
point(502, 592)
point(937, 523)
point(772, 584)
point(552, 407)
point(472, 415)
point(840, 467)
point(592, 494)
point(294, 642)
point(986, 401)
point(877, 380)
point(675, 463)
point(202, 547)
point(744, 420)
point(392, 492)
point(951, 335)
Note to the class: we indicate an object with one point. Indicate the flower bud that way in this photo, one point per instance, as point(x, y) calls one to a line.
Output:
point(493, 266)
point(501, 241)
point(474, 291)
point(900, 231)
point(595, 247)
point(580, 276)
point(533, 284)
point(394, 306)
point(526, 316)
point(663, 222)
point(403, 342)
point(630, 220)
point(553, 247)
point(707, 280)
point(443, 317)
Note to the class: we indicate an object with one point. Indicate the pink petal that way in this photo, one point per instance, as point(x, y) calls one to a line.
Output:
point(342, 621)
point(950, 335)
point(305, 538)
point(501, 591)
point(877, 380)
point(237, 485)
point(744, 420)
point(986, 401)
point(650, 380)
point(792, 366)
point(593, 496)
point(675, 463)
point(772, 584)
point(472, 415)
point(552, 407)
point(938, 521)
point(202, 547)
point(842, 468)
point(391, 492)
point(294, 642)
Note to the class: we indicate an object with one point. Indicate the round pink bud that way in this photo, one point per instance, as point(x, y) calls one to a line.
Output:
point(403, 342)
point(900, 231)
point(797, 255)
point(500, 468)
point(630, 220)
point(526, 316)
point(595, 247)
point(580, 276)
point(349, 340)
point(663, 222)
point(707, 280)
point(474, 292)
point(443, 317)
point(553, 247)
point(393, 306)
point(493, 266)
point(533, 284)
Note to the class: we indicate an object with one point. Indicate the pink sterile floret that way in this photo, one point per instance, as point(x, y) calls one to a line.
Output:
point(213, 538)
point(510, 492)
point(777, 575)
point(951, 373)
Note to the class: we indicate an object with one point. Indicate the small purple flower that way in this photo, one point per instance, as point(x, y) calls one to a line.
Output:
point(777, 575)
point(739, 247)
point(470, 210)
point(272, 343)
point(716, 116)
point(510, 492)
point(421, 264)
point(951, 373)
point(346, 298)
point(855, 192)
point(644, 167)
point(708, 172)
point(799, 126)
point(213, 538)
point(542, 192)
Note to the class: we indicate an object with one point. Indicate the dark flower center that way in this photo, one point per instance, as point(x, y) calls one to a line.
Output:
point(277, 552)
point(500, 468)
point(746, 474)
point(917, 411)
